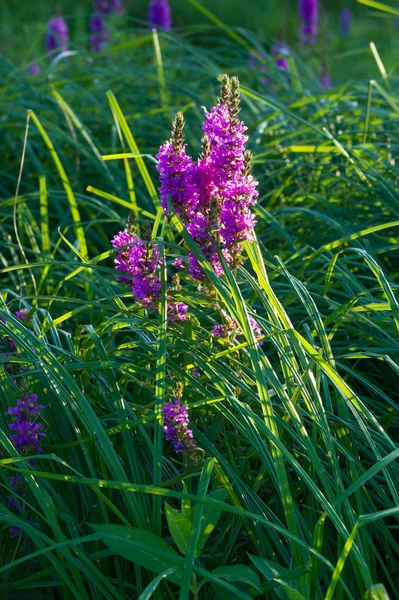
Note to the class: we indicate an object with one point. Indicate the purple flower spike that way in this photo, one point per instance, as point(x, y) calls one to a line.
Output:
point(176, 422)
point(57, 35)
point(27, 430)
point(345, 21)
point(159, 15)
point(309, 17)
point(213, 195)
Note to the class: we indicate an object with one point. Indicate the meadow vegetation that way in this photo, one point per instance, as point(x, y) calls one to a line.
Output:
point(291, 490)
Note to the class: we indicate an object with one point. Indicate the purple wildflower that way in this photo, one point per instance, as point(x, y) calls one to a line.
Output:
point(345, 21)
point(141, 261)
point(17, 484)
point(280, 51)
point(159, 14)
point(257, 62)
point(27, 436)
point(325, 79)
point(34, 69)
point(179, 264)
point(23, 315)
point(229, 164)
point(309, 17)
point(256, 328)
point(12, 344)
point(177, 312)
point(213, 195)
point(174, 168)
point(108, 7)
point(176, 422)
point(57, 35)
point(26, 439)
point(231, 329)
point(27, 431)
point(99, 38)
point(224, 331)
point(14, 532)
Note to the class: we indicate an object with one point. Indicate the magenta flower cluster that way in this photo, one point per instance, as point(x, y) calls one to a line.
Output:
point(176, 422)
point(159, 15)
point(309, 17)
point(213, 195)
point(139, 262)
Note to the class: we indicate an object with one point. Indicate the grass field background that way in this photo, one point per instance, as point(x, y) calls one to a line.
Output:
point(294, 492)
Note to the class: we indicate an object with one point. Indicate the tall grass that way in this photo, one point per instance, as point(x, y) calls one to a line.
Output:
point(294, 493)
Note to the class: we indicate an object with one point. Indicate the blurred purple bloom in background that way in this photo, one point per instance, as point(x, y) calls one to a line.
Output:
point(280, 51)
point(309, 17)
point(159, 14)
point(325, 80)
point(108, 7)
point(56, 40)
point(34, 69)
point(345, 21)
point(99, 36)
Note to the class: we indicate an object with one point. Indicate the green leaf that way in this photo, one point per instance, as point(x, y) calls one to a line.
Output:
point(341, 562)
point(210, 517)
point(142, 547)
point(380, 6)
point(292, 593)
point(179, 527)
point(151, 587)
point(376, 592)
point(239, 573)
point(274, 572)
